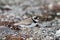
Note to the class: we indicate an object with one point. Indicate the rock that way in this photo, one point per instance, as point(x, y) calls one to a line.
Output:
point(45, 24)
point(50, 6)
point(7, 6)
point(11, 37)
point(58, 33)
point(58, 13)
point(47, 16)
point(30, 38)
point(58, 3)
point(5, 30)
point(56, 38)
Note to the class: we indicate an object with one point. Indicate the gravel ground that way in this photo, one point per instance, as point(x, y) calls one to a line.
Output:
point(29, 20)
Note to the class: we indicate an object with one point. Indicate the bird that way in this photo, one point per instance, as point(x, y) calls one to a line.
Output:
point(24, 22)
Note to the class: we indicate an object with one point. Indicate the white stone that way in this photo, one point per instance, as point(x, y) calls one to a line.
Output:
point(58, 3)
point(58, 33)
point(7, 6)
point(58, 13)
point(50, 6)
